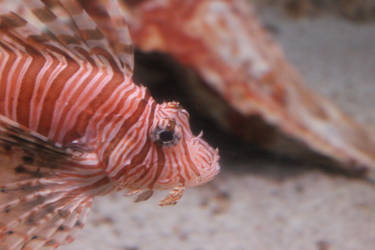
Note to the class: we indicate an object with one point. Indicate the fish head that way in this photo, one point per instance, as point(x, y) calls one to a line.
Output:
point(184, 159)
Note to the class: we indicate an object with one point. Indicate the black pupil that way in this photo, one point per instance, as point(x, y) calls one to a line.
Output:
point(166, 136)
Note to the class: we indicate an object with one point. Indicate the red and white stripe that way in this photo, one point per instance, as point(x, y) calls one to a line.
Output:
point(53, 90)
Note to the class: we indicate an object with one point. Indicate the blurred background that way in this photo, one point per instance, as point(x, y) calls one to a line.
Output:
point(264, 200)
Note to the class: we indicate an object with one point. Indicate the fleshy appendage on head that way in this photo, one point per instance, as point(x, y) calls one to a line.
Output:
point(179, 158)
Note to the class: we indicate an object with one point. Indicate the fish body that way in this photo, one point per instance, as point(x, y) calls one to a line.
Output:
point(74, 125)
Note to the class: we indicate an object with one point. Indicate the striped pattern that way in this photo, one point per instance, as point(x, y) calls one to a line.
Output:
point(66, 86)
point(45, 191)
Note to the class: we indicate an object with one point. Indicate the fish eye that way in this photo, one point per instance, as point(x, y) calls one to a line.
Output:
point(165, 137)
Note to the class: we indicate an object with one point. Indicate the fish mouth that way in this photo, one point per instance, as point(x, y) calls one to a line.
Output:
point(206, 161)
point(215, 171)
point(214, 168)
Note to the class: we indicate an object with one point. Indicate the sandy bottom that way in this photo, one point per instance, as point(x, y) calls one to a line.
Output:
point(257, 203)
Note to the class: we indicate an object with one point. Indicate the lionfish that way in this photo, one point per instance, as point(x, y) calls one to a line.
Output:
point(73, 125)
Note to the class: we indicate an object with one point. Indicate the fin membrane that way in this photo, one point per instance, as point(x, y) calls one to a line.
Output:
point(43, 198)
